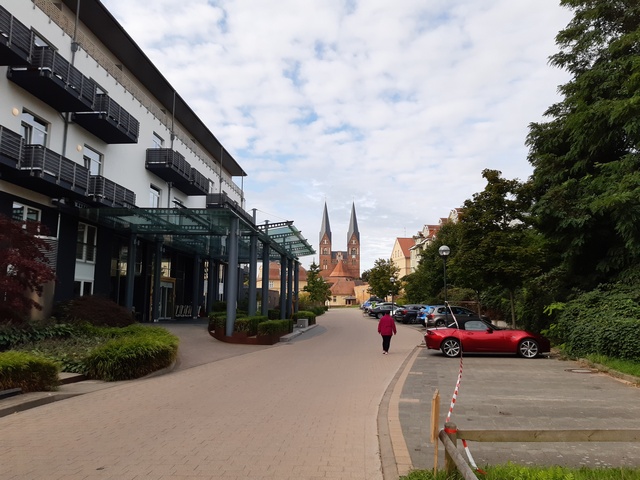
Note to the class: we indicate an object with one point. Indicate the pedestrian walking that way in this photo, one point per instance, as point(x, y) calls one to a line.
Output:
point(386, 328)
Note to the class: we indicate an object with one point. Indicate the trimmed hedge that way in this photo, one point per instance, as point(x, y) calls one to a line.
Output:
point(27, 372)
point(275, 327)
point(134, 352)
point(248, 325)
point(306, 314)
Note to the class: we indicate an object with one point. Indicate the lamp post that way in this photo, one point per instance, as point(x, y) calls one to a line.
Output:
point(444, 252)
point(393, 281)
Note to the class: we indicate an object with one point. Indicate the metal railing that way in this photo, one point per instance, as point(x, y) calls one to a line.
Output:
point(41, 161)
point(109, 192)
point(15, 35)
point(11, 144)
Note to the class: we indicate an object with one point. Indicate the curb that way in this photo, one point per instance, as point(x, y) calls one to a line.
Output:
point(297, 332)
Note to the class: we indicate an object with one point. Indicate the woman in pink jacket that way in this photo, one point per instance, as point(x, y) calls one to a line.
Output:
point(386, 328)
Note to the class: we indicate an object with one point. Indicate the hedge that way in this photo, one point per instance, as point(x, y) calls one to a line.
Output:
point(305, 314)
point(27, 372)
point(249, 325)
point(273, 327)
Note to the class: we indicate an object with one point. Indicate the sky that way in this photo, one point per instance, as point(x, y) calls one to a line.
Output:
point(396, 106)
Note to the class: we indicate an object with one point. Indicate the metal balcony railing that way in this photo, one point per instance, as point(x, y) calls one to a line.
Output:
point(199, 181)
point(165, 158)
point(110, 193)
point(11, 146)
point(16, 40)
point(42, 162)
point(105, 104)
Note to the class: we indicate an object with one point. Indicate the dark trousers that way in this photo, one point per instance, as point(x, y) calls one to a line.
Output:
point(386, 342)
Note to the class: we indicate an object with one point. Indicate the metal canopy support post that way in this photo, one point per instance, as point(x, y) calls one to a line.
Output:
point(216, 282)
point(131, 272)
point(197, 287)
point(156, 297)
point(212, 280)
point(296, 282)
point(265, 279)
point(232, 275)
point(283, 287)
point(253, 272)
point(289, 287)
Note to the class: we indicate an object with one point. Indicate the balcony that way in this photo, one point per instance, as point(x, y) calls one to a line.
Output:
point(15, 40)
point(109, 121)
point(169, 165)
point(11, 147)
point(56, 175)
point(106, 192)
point(198, 184)
point(55, 81)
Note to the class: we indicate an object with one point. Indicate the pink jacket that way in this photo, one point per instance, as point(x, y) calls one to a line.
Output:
point(386, 325)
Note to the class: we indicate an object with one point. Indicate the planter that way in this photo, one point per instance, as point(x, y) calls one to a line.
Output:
point(244, 339)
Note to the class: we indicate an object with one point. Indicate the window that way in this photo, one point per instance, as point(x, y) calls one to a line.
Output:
point(81, 288)
point(154, 197)
point(92, 160)
point(157, 141)
point(33, 129)
point(22, 213)
point(86, 244)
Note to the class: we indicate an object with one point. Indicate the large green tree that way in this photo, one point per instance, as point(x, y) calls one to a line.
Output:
point(380, 276)
point(586, 178)
point(317, 287)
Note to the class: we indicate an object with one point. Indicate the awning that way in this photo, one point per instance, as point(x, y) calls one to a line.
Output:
point(202, 231)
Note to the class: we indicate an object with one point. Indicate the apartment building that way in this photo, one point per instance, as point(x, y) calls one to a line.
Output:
point(137, 197)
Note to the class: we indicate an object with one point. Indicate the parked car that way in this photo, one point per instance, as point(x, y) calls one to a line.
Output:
point(408, 313)
point(422, 314)
point(382, 308)
point(371, 301)
point(440, 315)
point(478, 335)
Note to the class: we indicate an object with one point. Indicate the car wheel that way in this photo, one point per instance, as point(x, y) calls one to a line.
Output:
point(528, 348)
point(440, 323)
point(380, 315)
point(450, 348)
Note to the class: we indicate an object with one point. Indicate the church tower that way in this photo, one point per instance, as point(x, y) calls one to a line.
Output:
point(348, 260)
point(326, 264)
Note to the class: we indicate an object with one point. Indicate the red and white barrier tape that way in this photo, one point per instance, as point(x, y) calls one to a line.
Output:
point(453, 403)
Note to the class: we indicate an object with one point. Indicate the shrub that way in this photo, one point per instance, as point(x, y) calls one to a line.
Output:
point(305, 314)
point(219, 306)
point(134, 353)
point(27, 372)
point(274, 327)
point(12, 336)
point(93, 309)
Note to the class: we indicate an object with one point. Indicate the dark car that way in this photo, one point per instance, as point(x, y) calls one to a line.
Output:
point(440, 315)
point(476, 335)
point(408, 313)
point(382, 308)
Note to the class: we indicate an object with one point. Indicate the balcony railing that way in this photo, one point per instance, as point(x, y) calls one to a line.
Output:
point(168, 164)
point(11, 147)
point(43, 163)
point(106, 192)
point(198, 184)
point(15, 40)
point(55, 81)
point(109, 121)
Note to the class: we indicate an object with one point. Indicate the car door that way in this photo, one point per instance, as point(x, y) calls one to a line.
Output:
point(477, 336)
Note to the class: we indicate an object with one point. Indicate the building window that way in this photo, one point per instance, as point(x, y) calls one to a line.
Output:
point(22, 213)
point(270, 283)
point(34, 130)
point(81, 288)
point(86, 243)
point(92, 161)
point(154, 197)
point(157, 141)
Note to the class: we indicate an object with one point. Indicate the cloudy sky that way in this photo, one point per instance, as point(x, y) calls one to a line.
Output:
point(397, 106)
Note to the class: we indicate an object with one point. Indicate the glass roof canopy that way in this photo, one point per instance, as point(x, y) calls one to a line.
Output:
point(203, 231)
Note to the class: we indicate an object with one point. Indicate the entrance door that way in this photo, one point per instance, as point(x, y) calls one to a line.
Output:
point(167, 297)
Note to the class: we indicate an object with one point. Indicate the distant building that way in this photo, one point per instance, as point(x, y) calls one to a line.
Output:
point(401, 255)
point(349, 258)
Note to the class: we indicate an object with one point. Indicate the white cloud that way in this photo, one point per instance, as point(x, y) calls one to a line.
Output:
point(396, 106)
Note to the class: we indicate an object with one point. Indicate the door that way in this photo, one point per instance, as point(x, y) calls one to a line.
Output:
point(167, 297)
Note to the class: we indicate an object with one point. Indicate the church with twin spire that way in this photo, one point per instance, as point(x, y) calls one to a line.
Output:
point(336, 264)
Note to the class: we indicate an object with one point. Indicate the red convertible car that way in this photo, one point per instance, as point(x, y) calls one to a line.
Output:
point(475, 335)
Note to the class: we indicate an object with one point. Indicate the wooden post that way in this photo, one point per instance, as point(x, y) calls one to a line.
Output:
point(450, 429)
point(435, 419)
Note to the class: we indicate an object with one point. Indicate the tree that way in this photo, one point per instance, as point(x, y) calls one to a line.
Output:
point(24, 268)
point(586, 178)
point(380, 284)
point(318, 289)
point(498, 247)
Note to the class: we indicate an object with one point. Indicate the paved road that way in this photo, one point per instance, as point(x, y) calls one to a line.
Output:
point(303, 410)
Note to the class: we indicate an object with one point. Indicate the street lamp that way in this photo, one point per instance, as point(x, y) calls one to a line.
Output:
point(393, 281)
point(444, 252)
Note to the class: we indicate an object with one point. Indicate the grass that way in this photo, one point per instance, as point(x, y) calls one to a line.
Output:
point(517, 472)
point(627, 367)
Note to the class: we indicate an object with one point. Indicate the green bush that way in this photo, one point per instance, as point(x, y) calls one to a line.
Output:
point(95, 310)
point(27, 372)
point(134, 353)
point(274, 327)
point(11, 336)
point(249, 325)
point(219, 306)
point(273, 314)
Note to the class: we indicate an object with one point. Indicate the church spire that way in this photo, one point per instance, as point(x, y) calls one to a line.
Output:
point(325, 228)
point(353, 224)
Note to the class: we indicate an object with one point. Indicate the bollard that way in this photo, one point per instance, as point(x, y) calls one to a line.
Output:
point(451, 430)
